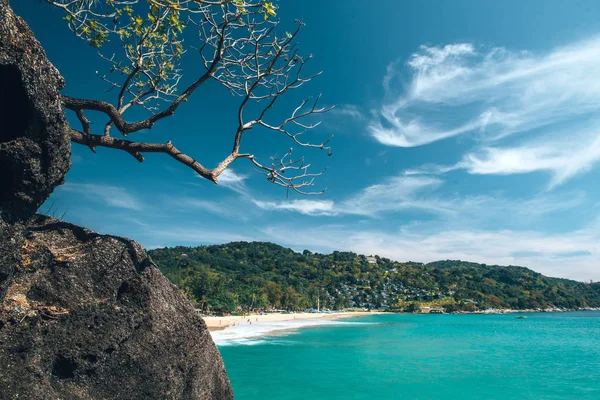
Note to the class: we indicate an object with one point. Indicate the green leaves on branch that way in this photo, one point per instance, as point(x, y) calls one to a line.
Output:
point(151, 40)
point(270, 10)
point(146, 36)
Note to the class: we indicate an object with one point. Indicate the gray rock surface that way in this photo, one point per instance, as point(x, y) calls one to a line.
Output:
point(82, 315)
point(34, 145)
point(88, 316)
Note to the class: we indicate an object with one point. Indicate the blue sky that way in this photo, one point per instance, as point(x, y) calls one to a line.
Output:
point(463, 130)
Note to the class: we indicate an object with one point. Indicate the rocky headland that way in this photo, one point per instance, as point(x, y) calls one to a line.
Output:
point(82, 315)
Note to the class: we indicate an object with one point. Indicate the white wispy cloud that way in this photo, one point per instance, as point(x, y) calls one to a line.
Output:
point(563, 159)
point(394, 194)
point(458, 89)
point(112, 196)
point(185, 235)
point(234, 181)
point(303, 206)
point(348, 110)
point(404, 194)
point(563, 156)
point(190, 203)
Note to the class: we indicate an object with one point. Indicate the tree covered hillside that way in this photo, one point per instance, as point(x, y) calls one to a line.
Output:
point(253, 276)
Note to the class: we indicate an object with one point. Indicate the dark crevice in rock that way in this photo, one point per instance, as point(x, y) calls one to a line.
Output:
point(123, 290)
point(4, 277)
point(47, 224)
point(15, 110)
point(64, 368)
point(20, 348)
point(91, 358)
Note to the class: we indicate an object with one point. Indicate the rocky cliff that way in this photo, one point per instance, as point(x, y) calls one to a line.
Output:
point(82, 315)
point(88, 316)
point(34, 146)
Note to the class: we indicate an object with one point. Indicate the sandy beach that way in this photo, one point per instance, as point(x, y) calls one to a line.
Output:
point(250, 328)
point(218, 323)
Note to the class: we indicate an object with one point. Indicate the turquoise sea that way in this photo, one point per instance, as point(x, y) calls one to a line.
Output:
point(545, 356)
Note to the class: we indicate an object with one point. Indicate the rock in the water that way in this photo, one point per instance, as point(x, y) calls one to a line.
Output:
point(88, 316)
point(34, 142)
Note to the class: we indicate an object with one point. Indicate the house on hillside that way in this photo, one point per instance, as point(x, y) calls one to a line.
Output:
point(371, 260)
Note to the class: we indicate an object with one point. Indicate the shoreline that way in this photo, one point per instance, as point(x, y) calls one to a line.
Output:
point(221, 323)
point(500, 311)
point(252, 329)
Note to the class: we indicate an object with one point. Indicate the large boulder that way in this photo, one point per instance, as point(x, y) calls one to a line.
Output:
point(88, 316)
point(82, 316)
point(34, 142)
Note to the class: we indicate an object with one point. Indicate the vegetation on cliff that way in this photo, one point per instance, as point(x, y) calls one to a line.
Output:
point(256, 275)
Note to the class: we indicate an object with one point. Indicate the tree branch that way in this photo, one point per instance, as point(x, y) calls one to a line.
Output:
point(239, 48)
point(135, 149)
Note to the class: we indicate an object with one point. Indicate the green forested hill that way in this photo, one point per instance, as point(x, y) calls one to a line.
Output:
point(257, 275)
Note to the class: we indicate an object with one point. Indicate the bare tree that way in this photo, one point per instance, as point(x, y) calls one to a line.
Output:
point(238, 45)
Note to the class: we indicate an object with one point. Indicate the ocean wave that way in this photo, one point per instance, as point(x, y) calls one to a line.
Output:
point(248, 334)
point(242, 342)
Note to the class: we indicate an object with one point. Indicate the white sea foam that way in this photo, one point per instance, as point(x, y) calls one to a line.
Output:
point(246, 333)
